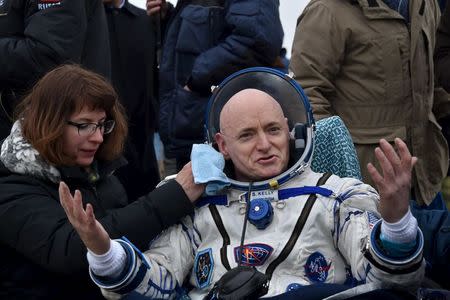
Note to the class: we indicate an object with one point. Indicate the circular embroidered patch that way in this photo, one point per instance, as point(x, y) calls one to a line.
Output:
point(316, 267)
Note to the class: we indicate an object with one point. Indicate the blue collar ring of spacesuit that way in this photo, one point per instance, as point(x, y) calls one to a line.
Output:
point(296, 108)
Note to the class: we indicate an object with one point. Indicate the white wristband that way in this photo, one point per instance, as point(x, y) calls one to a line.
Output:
point(109, 264)
point(401, 232)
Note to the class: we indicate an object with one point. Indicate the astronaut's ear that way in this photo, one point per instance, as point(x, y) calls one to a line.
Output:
point(221, 144)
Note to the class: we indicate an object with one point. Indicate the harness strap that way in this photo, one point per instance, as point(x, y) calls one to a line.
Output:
point(297, 229)
point(313, 191)
point(226, 238)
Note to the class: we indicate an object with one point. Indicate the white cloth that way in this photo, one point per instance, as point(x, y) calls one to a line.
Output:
point(110, 263)
point(403, 231)
point(207, 167)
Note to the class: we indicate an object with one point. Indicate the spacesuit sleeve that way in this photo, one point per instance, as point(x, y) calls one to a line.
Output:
point(358, 224)
point(159, 272)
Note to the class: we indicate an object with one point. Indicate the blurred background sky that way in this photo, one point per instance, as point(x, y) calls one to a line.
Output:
point(289, 12)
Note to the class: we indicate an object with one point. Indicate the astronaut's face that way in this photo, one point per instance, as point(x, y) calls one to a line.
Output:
point(254, 134)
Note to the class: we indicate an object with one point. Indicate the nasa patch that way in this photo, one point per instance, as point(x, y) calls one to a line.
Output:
point(253, 254)
point(203, 267)
point(44, 4)
point(316, 268)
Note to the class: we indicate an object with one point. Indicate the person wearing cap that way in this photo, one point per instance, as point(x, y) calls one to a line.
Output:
point(271, 216)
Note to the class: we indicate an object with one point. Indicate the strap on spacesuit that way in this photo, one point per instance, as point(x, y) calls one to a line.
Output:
point(313, 191)
point(225, 237)
point(297, 229)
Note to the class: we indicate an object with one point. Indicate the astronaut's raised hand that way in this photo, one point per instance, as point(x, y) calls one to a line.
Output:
point(394, 182)
point(155, 6)
point(186, 179)
point(91, 232)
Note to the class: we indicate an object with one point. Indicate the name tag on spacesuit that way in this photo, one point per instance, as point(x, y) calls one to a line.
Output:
point(270, 195)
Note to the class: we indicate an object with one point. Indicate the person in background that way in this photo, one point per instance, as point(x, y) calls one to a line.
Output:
point(442, 63)
point(204, 42)
point(332, 235)
point(37, 35)
point(373, 67)
point(132, 37)
point(68, 138)
point(282, 62)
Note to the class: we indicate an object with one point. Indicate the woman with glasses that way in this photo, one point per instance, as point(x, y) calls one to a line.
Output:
point(67, 142)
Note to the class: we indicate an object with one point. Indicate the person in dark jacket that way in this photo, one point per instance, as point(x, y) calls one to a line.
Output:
point(435, 225)
point(37, 35)
point(132, 37)
point(69, 135)
point(205, 41)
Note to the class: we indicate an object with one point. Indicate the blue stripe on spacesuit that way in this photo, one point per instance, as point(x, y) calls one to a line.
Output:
point(370, 275)
point(134, 283)
point(198, 234)
point(305, 190)
point(344, 196)
point(355, 213)
point(156, 289)
point(190, 237)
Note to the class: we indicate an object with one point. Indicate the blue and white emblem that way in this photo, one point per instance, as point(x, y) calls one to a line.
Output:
point(203, 267)
point(316, 268)
point(253, 254)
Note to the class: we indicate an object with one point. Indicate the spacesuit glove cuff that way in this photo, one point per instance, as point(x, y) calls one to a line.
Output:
point(109, 264)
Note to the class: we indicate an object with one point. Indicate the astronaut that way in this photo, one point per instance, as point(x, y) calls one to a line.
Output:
point(270, 213)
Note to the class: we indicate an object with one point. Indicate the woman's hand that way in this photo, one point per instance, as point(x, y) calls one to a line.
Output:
point(91, 232)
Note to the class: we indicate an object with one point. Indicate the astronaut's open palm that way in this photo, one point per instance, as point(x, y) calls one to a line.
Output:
point(91, 232)
point(394, 185)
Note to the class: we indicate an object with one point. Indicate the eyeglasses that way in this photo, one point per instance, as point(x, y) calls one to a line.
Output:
point(88, 129)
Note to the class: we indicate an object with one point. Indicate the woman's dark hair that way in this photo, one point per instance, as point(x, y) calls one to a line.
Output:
point(65, 90)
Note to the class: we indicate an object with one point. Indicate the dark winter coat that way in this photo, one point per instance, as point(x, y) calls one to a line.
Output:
point(42, 255)
point(37, 35)
point(133, 60)
point(205, 41)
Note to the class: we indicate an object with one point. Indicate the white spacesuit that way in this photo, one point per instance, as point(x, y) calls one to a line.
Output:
point(337, 244)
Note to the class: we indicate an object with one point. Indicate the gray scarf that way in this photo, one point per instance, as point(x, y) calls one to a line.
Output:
point(19, 156)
